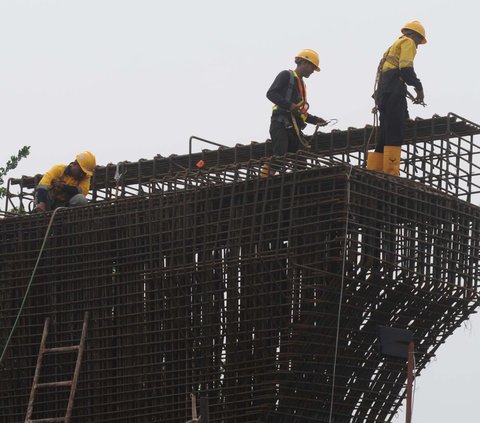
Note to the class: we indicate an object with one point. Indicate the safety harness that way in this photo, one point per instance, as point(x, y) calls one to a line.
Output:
point(303, 106)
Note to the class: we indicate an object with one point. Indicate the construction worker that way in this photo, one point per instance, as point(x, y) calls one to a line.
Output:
point(66, 186)
point(394, 73)
point(290, 112)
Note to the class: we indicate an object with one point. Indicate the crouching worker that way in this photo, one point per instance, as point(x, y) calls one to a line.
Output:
point(66, 186)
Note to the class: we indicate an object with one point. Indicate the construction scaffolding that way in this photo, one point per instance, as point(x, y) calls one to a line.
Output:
point(263, 294)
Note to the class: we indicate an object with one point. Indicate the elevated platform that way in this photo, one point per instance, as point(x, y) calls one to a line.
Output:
point(232, 286)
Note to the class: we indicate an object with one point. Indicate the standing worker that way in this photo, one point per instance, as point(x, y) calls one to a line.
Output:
point(66, 186)
point(290, 113)
point(395, 72)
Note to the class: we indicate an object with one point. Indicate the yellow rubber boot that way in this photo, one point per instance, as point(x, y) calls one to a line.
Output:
point(391, 159)
point(375, 161)
point(265, 170)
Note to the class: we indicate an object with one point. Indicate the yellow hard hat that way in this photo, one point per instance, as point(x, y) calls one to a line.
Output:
point(311, 56)
point(418, 28)
point(87, 162)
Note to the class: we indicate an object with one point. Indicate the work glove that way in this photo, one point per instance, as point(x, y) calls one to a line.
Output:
point(321, 122)
point(420, 97)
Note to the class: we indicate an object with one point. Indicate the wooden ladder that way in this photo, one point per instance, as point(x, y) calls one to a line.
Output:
point(71, 383)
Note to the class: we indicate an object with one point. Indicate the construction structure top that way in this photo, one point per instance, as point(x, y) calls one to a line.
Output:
point(427, 144)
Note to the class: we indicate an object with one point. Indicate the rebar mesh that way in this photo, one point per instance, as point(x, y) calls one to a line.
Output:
point(226, 284)
point(439, 152)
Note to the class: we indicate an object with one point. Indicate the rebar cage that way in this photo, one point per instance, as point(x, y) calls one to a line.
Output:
point(439, 152)
point(262, 294)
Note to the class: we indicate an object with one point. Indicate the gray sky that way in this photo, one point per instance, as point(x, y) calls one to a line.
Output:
point(129, 79)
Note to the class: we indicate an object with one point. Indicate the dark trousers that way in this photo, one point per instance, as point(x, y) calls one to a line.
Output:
point(393, 114)
point(283, 139)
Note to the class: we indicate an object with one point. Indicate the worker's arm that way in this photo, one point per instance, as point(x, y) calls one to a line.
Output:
point(407, 55)
point(46, 183)
point(315, 120)
point(278, 90)
point(56, 172)
point(84, 186)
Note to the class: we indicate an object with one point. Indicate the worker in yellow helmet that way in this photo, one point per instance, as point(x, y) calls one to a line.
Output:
point(290, 114)
point(395, 72)
point(66, 185)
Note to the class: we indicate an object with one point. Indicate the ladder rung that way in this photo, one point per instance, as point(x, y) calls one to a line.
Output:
point(51, 420)
point(61, 349)
point(61, 383)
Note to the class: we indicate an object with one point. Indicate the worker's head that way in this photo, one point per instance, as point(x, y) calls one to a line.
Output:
point(85, 163)
point(415, 31)
point(307, 62)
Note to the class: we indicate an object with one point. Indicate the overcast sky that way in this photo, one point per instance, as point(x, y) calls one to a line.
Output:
point(132, 79)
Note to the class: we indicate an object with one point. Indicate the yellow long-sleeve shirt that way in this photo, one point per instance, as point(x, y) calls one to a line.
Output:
point(58, 172)
point(397, 69)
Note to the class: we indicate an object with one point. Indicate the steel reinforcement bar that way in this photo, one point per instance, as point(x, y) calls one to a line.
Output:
point(439, 152)
point(227, 285)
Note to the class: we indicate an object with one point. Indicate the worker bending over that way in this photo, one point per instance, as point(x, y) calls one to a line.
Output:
point(66, 186)
point(395, 72)
point(290, 112)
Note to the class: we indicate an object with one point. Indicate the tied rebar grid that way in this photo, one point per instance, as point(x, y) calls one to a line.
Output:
point(439, 152)
point(227, 285)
